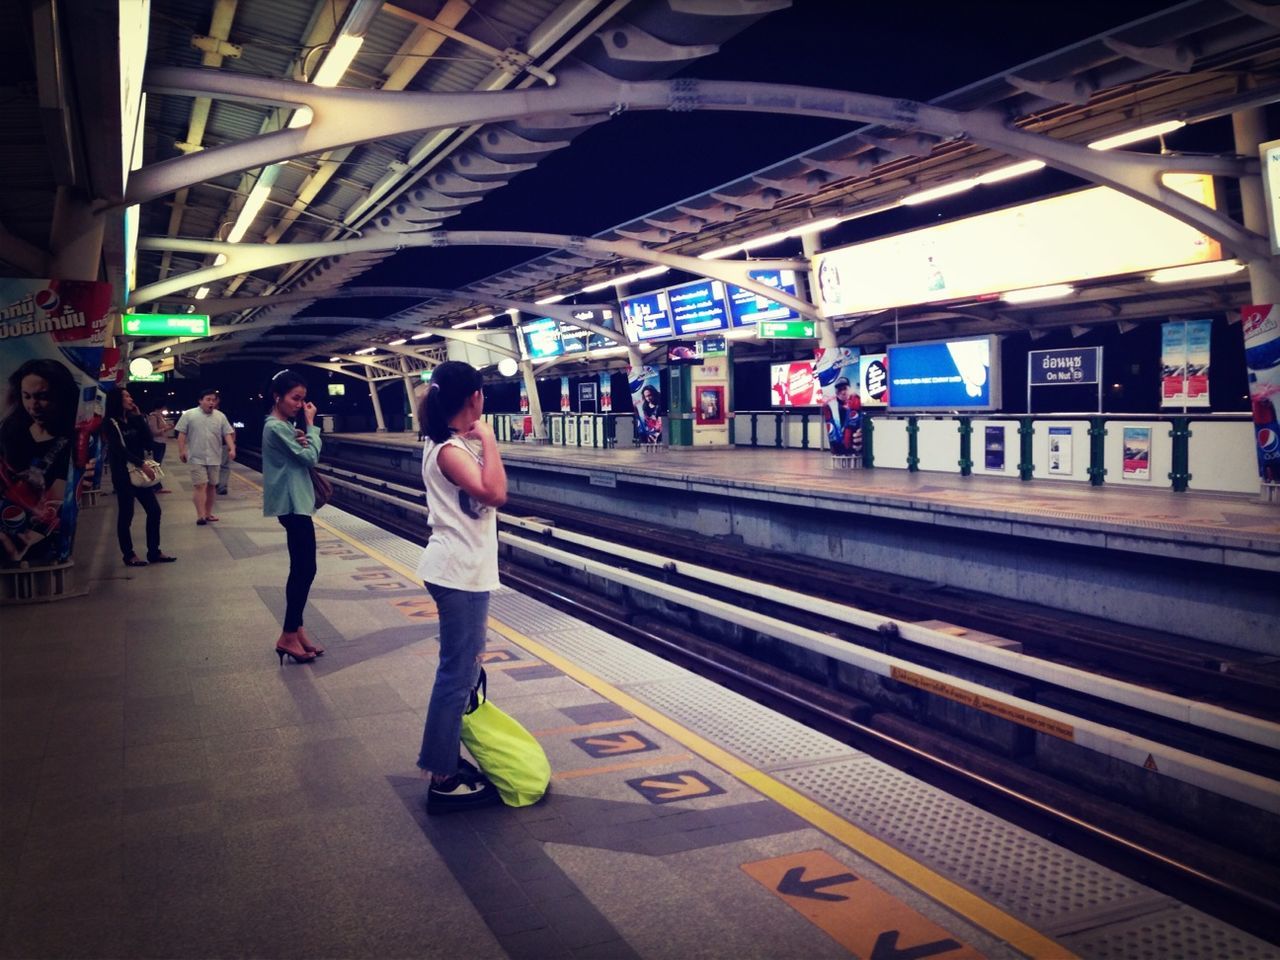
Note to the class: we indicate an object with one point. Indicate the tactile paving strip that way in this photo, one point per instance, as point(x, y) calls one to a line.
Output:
point(1029, 877)
point(528, 615)
point(1178, 932)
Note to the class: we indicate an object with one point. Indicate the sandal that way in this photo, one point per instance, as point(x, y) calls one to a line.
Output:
point(212, 519)
point(133, 560)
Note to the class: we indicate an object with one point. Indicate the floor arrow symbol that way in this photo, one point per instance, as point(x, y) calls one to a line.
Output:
point(794, 885)
point(886, 948)
point(623, 743)
point(686, 787)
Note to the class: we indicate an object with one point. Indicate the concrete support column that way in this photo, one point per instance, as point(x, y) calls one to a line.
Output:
point(1250, 129)
point(75, 240)
point(408, 394)
point(826, 328)
point(530, 381)
point(373, 397)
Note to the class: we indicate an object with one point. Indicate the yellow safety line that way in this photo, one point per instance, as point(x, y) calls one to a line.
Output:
point(972, 907)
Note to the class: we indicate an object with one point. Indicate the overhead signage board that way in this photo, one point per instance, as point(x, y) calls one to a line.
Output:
point(149, 378)
point(786, 330)
point(1073, 366)
point(698, 307)
point(1097, 232)
point(945, 375)
point(166, 324)
point(747, 307)
point(1269, 153)
point(647, 317)
point(577, 339)
point(542, 339)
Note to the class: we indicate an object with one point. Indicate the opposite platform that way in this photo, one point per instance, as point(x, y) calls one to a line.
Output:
point(170, 791)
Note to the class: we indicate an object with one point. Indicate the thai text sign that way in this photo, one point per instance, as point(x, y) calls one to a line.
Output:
point(1076, 365)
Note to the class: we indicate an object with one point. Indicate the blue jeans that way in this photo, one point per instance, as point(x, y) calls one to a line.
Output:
point(463, 618)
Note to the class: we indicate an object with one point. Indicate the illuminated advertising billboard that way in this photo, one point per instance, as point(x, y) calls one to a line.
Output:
point(747, 306)
point(1077, 236)
point(578, 340)
point(794, 384)
point(647, 316)
point(873, 379)
point(945, 375)
point(542, 339)
point(698, 307)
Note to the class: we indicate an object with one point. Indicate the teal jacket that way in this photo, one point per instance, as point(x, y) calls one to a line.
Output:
point(286, 480)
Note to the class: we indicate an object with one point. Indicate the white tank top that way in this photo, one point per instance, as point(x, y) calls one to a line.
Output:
point(463, 550)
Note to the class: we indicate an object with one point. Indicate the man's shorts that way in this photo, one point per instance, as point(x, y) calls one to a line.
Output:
point(202, 474)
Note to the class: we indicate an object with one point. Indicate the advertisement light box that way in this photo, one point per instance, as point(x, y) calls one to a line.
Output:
point(698, 307)
point(747, 307)
point(647, 317)
point(1077, 236)
point(542, 339)
point(945, 375)
point(794, 384)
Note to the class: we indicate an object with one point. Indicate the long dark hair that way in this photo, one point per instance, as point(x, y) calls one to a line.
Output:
point(114, 407)
point(452, 383)
point(282, 383)
point(66, 394)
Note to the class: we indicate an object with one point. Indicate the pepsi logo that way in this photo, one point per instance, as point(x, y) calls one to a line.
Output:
point(1268, 440)
point(47, 300)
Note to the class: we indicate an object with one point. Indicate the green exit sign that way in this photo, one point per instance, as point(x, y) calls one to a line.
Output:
point(166, 324)
point(149, 378)
point(786, 330)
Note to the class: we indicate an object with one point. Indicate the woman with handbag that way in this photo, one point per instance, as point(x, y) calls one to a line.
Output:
point(134, 475)
point(465, 483)
point(289, 453)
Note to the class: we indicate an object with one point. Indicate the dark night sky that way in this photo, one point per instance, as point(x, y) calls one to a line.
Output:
point(919, 51)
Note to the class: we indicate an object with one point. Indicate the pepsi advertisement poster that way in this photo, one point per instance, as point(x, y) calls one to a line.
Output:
point(1260, 326)
point(698, 307)
point(747, 307)
point(945, 375)
point(647, 317)
point(50, 410)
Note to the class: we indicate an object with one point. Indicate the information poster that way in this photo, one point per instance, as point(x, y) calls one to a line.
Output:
point(836, 371)
point(994, 447)
point(1260, 325)
point(1184, 363)
point(698, 307)
point(606, 391)
point(52, 333)
point(646, 398)
point(1060, 461)
point(1137, 453)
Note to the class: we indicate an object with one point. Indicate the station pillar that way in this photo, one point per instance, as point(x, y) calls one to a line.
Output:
point(373, 397)
point(410, 399)
point(530, 381)
point(1250, 129)
point(826, 328)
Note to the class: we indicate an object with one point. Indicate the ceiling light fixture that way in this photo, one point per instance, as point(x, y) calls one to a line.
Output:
point(1134, 136)
point(554, 298)
point(1008, 173)
point(397, 343)
point(423, 335)
point(1197, 271)
point(473, 321)
point(1052, 291)
point(937, 193)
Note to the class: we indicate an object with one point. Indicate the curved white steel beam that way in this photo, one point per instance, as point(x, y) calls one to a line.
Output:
point(345, 116)
point(248, 257)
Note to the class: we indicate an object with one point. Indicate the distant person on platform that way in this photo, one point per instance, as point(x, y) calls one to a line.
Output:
point(160, 427)
point(224, 468)
point(203, 433)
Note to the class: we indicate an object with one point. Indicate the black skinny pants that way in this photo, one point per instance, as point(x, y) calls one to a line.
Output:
point(300, 534)
point(126, 494)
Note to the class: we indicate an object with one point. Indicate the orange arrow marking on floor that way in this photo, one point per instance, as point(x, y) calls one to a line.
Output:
point(418, 608)
point(861, 917)
point(622, 743)
point(687, 786)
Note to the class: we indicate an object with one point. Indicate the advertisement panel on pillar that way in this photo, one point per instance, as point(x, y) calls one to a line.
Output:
point(647, 317)
point(945, 375)
point(836, 370)
point(50, 411)
point(698, 307)
point(1260, 326)
point(747, 307)
point(646, 398)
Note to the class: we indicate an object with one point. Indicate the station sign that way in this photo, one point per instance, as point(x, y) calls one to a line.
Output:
point(166, 324)
point(786, 330)
point(149, 378)
point(1076, 365)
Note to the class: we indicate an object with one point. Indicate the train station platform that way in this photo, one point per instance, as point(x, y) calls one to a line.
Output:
point(1197, 563)
point(170, 790)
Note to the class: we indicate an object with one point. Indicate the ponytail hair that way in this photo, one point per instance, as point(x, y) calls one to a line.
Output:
point(452, 384)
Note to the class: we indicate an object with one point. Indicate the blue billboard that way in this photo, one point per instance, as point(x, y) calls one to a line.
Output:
point(945, 375)
point(747, 307)
point(698, 307)
point(647, 316)
point(542, 339)
point(577, 339)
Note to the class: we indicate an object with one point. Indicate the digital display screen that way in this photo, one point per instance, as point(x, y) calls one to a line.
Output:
point(542, 339)
point(945, 375)
point(684, 353)
point(698, 307)
point(747, 307)
point(647, 317)
point(578, 340)
point(794, 384)
point(337, 389)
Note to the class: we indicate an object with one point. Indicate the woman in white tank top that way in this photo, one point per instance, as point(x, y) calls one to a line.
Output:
point(465, 483)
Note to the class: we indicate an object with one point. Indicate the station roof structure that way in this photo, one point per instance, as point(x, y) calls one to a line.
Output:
point(1196, 63)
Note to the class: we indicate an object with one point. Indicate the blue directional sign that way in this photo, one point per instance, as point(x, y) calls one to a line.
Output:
point(698, 307)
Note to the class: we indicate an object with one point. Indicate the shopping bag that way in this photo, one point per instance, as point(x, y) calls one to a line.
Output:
point(507, 753)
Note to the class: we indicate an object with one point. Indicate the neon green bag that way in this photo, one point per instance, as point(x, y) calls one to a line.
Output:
point(507, 752)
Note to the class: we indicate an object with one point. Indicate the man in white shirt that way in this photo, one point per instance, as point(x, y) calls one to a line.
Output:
point(203, 432)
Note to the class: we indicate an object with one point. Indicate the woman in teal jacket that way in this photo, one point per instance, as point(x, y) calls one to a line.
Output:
point(288, 454)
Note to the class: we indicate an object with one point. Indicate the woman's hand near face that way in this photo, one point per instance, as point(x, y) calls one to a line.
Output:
point(480, 430)
point(309, 410)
